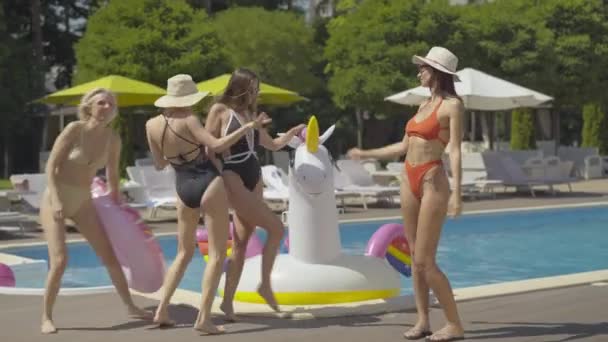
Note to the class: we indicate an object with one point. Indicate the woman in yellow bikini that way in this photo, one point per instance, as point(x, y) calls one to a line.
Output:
point(425, 191)
point(82, 148)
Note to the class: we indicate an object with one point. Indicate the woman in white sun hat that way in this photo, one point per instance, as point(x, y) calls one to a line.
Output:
point(426, 198)
point(177, 137)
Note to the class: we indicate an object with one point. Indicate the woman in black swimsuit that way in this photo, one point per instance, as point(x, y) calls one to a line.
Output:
point(242, 177)
point(179, 134)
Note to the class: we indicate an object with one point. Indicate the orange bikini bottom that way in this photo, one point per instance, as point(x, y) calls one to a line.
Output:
point(415, 174)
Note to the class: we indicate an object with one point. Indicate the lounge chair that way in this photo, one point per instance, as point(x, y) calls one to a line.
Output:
point(582, 157)
point(277, 186)
point(593, 167)
point(275, 182)
point(505, 169)
point(352, 177)
point(159, 188)
point(12, 218)
point(30, 187)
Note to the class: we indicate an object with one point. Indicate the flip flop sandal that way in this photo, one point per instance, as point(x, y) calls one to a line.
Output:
point(420, 334)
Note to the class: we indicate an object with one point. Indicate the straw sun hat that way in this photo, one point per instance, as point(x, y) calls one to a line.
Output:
point(181, 92)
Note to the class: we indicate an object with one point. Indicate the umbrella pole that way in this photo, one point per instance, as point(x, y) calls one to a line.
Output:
point(496, 132)
point(61, 119)
point(473, 123)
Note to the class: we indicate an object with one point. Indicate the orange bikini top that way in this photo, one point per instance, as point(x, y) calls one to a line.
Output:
point(427, 129)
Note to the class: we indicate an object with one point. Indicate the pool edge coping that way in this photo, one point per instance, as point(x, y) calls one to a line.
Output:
point(395, 304)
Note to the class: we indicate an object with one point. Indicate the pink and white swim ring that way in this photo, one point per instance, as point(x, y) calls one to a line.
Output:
point(135, 246)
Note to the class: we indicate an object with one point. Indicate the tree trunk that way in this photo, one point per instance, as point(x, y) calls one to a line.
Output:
point(37, 49)
point(6, 155)
point(38, 70)
point(359, 118)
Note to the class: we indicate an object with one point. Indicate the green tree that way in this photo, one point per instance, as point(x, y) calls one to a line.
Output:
point(18, 84)
point(522, 129)
point(365, 58)
point(281, 51)
point(508, 39)
point(580, 54)
point(64, 23)
point(370, 49)
point(580, 28)
point(284, 51)
point(558, 48)
point(14, 78)
point(595, 127)
point(148, 40)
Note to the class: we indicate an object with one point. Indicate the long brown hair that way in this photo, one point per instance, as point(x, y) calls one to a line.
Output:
point(445, 83)
point(236, 95)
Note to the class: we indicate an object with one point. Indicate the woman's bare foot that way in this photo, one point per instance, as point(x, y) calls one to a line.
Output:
point(139, 313)
point(450, 332)
point(208, 328)
point(48, 327)
point(228, 310)
point(265, 291)
point(162, 319)
point(418, 331)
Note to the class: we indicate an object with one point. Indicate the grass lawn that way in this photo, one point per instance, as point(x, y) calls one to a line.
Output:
point(5, 184)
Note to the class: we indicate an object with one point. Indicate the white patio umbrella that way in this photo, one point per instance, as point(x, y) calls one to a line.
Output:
point(480, 91)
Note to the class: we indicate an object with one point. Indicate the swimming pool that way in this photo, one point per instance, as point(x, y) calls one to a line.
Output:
point(474, 249)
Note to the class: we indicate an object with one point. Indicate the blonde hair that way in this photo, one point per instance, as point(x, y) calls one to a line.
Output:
point(84, 108)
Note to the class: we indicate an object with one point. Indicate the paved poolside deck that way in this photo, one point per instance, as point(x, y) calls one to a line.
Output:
point(568, 314)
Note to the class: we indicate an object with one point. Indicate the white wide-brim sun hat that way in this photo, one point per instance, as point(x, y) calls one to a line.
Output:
point(441, 59)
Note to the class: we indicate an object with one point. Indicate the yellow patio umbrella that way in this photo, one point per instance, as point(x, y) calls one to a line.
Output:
point(129, 92)
point(270, 95)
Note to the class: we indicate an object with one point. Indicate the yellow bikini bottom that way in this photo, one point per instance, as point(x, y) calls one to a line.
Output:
point(71, 196)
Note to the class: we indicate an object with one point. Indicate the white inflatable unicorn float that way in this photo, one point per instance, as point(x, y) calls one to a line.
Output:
point(315, 271)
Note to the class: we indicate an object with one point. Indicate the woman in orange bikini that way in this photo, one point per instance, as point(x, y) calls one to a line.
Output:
point(425, 191)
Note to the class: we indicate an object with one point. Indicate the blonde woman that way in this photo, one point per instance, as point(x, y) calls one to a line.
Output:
point(426, 198)
point(82, 148)
point(178, 138)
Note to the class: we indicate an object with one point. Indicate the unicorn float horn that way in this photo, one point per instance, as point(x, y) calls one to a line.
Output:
point(312, 217)
point(312, 135)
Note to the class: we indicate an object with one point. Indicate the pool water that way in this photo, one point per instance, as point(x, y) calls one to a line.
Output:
point(474, 249)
